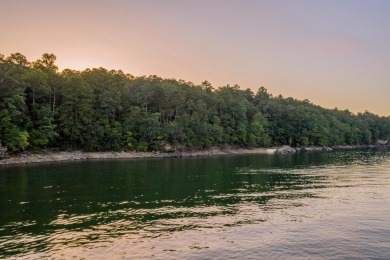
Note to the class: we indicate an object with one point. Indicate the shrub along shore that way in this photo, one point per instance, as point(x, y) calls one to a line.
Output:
point(55, 156)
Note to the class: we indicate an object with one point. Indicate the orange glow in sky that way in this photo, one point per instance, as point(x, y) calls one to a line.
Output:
point(334, 53)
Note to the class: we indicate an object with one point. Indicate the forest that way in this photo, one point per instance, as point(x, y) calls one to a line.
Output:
point(99, 109)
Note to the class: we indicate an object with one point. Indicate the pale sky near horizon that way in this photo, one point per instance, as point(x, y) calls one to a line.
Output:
point(334, 53)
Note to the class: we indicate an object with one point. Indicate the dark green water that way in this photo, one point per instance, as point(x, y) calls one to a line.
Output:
point(308, 205)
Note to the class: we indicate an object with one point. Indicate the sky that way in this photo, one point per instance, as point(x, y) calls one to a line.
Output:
point(334, 53)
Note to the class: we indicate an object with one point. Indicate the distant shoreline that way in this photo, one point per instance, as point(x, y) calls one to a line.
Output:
point(50, 156)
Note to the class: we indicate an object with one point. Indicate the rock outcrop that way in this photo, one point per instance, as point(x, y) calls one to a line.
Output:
point(315, 149)
point(285, 149)
point(382, 142)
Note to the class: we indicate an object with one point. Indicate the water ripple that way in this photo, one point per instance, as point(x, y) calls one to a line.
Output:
point(333, 205)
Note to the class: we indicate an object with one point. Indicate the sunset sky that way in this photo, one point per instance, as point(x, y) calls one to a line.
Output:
point(334, 53)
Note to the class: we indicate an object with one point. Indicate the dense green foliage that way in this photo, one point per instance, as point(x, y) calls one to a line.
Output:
point(97, 109)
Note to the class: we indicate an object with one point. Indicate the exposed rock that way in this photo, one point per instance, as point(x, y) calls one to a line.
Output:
point(271, 150)
point(285, 149)
point(347, 147)
point(167, 148)
point(315, 148)
point(311, 149)
point(382, 142)
point(3, 150)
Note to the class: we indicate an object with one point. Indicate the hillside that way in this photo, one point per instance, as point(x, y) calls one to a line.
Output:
point(100, 110)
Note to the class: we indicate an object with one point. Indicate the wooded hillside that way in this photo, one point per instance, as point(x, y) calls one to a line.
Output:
point(99, 109)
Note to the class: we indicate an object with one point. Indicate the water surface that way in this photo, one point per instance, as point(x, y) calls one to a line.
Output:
point(307, 205)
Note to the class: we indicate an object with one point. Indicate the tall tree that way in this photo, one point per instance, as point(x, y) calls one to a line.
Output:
point(76, 112)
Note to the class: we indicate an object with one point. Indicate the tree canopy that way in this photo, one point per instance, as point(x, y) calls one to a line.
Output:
point(99, 109)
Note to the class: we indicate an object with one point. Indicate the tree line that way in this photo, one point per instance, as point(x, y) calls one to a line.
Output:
point(99, 109)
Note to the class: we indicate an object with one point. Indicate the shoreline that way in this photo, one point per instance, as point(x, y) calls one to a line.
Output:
point(63, 156)
point(43, 157)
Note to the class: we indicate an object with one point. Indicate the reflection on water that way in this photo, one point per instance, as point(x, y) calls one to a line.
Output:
point(305, 205)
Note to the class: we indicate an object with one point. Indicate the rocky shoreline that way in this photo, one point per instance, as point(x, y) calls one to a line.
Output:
point(50, 156)
point(53, 156)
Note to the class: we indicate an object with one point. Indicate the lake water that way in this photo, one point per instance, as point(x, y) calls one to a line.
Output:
point(327, 205)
